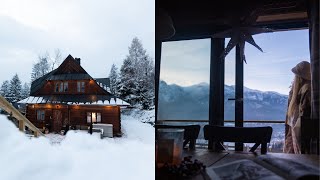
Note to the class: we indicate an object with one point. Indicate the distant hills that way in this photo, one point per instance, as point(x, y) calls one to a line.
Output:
point(192, 103)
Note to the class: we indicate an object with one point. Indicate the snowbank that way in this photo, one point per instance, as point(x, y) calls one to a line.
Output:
point(145, 116)
point(79, 155)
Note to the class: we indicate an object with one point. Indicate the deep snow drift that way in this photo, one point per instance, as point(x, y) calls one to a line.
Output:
point(79, 155)
point(145, 116)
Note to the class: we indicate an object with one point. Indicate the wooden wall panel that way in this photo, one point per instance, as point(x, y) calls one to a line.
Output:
point(91, 88)
point(76, 115)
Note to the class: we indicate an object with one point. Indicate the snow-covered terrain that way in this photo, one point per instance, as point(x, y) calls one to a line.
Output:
point(78, 155)
point(145, 116)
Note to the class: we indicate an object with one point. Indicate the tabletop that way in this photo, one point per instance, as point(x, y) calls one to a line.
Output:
point(210, 158)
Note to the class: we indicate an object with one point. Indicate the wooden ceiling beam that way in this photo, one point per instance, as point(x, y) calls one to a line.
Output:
point(283, 17)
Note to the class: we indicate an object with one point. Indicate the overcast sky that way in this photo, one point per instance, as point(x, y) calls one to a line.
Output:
point(187, 62)
point(97, 31)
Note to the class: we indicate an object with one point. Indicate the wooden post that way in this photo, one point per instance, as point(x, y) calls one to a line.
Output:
point(157, 77)
point(216, 92)
point(35, 133)
point(21, 125)
point(239, 95)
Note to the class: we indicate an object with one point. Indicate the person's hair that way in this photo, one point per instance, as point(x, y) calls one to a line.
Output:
point(295, 87)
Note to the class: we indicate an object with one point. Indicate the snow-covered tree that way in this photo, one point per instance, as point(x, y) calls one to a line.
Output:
point(147, 86)
point(127, 86)
point(114, 79)
point(57, 58)
point(137, 77)
point(45, 64)
point(25, 92)
point(5, 89)
point(15, 89)
point(41, 67)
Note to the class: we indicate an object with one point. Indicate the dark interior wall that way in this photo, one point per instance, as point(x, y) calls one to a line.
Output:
point(313, 14)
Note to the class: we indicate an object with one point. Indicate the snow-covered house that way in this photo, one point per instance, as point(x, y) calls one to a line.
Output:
point(69, 96)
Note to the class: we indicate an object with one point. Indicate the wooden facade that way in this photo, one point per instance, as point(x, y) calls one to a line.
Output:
point(58, 116)
point(90, 88)
point(68, 97)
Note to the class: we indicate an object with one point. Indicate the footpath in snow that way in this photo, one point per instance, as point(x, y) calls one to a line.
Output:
point(78, 155)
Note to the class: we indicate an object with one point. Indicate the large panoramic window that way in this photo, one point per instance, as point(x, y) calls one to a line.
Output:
point(184, 84)
point(184, 80)
point(268, 77)
point(229, 88)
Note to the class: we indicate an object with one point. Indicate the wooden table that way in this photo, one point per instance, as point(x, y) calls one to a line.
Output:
point(210, 158)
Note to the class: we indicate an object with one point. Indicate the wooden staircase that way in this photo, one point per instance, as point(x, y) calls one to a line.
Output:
point(23, 121)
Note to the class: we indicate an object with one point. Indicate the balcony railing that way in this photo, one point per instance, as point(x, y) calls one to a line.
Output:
point(228, 121)
point(275, 145)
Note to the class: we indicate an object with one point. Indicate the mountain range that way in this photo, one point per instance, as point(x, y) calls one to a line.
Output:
point(192, 103)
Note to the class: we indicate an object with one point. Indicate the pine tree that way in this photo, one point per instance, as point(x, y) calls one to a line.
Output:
point(5, 89)
point(147, 86)
point(25, 92)
point(114, 80)
point(15, 89)
point(127, 86)
point(137, 77)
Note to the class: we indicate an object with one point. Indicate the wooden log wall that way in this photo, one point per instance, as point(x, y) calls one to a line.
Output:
point(91, 88)
point(75, 115)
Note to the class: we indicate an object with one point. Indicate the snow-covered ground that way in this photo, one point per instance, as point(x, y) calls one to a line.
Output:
point(78, 155)
point(145, 116)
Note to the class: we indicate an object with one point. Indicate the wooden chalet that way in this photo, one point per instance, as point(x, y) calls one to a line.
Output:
point(69, 97)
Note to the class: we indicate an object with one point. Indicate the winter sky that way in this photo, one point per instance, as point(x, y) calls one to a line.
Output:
point(187, 62)
point(97, 31)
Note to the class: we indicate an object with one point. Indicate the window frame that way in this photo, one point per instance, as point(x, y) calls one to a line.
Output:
point(65, 86)
point(41, 115)
point(61, 86)
point(81, 86)
point(90, 117)
point(56, 86)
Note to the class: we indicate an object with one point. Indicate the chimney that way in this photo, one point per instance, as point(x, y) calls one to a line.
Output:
point(78, 60)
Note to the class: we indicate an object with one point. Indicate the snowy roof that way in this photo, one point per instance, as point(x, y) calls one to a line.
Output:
point(43, 100)
point(104, 83)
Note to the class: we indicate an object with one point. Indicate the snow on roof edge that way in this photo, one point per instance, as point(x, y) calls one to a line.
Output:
point(39, 99)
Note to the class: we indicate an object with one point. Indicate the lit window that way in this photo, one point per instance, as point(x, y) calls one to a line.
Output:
point(40, 115)
point(94, 116)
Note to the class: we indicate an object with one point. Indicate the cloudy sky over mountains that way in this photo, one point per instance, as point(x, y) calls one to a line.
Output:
point(187, 62)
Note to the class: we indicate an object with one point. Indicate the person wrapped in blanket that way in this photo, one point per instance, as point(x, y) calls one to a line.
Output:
point(299, 104)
